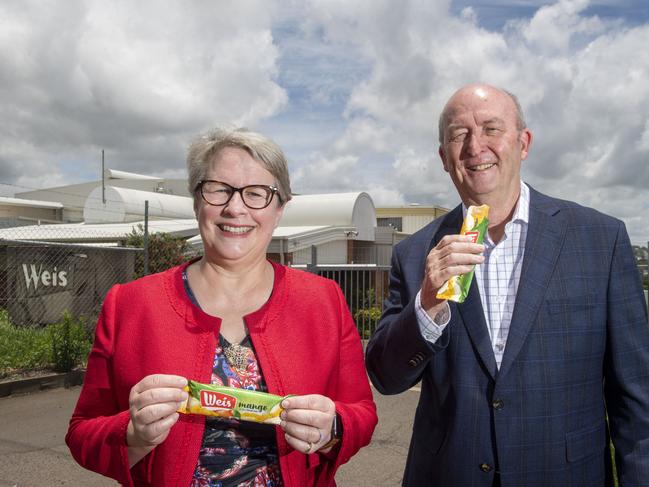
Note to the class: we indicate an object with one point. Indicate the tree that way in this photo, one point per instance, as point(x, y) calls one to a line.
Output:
point(165, 250)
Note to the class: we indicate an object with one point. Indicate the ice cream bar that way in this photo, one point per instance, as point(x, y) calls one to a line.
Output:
point(231, 402)
point(475, 224)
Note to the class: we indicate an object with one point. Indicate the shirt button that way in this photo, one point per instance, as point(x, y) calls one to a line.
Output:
point(499, 347)
point(485, 467)
point(498, 404)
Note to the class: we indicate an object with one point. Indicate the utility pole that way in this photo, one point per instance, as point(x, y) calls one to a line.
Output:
point(103, 177)
point(145, 243)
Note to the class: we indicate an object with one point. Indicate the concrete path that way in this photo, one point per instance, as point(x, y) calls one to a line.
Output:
point(33, 450)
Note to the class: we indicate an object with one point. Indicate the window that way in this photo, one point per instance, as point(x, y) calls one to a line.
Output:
point(394, 222)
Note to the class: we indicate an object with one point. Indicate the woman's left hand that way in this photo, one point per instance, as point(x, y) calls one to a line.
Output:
point(307, 421)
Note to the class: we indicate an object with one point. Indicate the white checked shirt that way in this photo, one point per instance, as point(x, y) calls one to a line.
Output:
point(497, 278)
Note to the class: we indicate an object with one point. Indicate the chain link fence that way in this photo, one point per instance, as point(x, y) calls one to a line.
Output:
point(50, 270)
point(40, 281)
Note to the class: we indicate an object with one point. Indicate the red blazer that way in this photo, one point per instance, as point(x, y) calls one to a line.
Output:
point(305, 340)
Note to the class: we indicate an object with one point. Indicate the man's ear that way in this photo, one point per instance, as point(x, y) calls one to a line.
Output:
point(442, 156)
point(526, 142)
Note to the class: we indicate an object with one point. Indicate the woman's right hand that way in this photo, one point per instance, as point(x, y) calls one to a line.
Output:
point(153, 403)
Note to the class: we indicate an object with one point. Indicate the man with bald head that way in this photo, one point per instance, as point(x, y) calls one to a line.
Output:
point(517, 381)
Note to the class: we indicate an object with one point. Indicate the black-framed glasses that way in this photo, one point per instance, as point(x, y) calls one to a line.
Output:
point(254, 196)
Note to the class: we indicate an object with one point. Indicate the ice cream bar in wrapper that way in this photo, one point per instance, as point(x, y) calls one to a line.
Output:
point(475, 224)
point(231, 402)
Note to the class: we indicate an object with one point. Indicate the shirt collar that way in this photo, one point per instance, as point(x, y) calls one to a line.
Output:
point(522, 211)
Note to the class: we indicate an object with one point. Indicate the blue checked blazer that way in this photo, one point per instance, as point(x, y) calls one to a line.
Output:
point(577, 350)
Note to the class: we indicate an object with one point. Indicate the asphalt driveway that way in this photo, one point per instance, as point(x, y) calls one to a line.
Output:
point(33, 451)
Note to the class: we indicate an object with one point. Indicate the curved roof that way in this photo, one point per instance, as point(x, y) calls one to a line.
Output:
point(354, 212)
point(123, 205)
point(332, 209)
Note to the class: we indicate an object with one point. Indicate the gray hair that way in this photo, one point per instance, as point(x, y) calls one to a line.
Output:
point(261, 148)
point(520, 117)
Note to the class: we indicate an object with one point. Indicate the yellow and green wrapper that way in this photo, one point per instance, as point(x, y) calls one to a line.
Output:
point(475, 224)
point(231, 402)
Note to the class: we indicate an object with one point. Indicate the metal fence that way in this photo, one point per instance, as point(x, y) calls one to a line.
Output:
point(365, 287)
point(46, 271)
point(40, 281)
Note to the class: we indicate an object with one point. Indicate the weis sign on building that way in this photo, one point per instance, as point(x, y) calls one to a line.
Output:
point(36, 276)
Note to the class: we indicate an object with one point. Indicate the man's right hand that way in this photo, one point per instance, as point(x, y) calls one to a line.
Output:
point(452, 256)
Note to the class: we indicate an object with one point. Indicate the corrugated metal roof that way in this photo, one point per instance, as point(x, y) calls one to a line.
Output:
point(77, 232)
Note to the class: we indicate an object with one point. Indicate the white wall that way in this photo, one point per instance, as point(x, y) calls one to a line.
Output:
point(329, 253)
point(412, 223)
point(364, 217)
point(15, 212)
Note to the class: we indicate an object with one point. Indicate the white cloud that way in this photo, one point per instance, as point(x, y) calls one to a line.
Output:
point(581, 80)
point(421, 179)
point(643, 143)
point(132, 77)
point(352, 90)
point(553, 27)
point(383, 196)
point(326, 175)
point(364, 134)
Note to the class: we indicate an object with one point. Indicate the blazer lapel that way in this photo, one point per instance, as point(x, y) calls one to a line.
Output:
point(451, 225)
point(471, 310)
point(474, 321)
point(545, 236)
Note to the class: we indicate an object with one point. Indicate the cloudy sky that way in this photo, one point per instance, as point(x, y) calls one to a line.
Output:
point(351, 89)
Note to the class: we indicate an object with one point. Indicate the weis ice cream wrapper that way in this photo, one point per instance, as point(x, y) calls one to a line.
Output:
point(231, 402)
point(475, 224)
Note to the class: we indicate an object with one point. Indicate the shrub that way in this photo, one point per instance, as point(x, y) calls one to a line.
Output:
point(70, 343)
point(22, 348)
point(366, 320)
point(368, 313)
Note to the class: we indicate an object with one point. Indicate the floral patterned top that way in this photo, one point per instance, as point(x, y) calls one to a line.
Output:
point(236, 453)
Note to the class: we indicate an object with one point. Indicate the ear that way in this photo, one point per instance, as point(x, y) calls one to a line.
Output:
point(279, 214)
point(526, 142)
point(442, 156)
point(196, 207)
